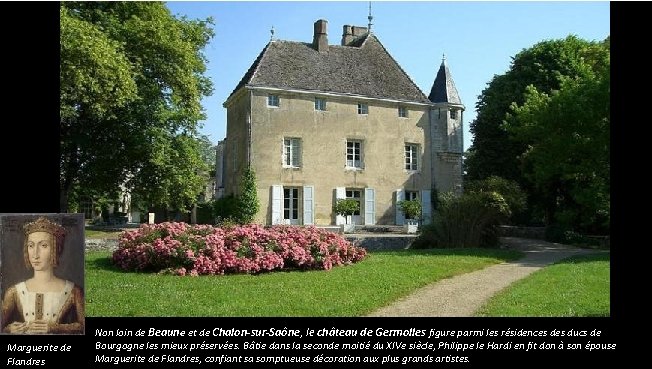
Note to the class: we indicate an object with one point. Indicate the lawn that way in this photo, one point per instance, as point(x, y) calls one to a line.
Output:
point(353, 290)
point(575, 287)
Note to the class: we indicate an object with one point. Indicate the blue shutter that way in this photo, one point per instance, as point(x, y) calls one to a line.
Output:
point(369, 206)
point(340, 193)
point(426, 206)
point(308, 205)
point(277, 202)
point(400, 217)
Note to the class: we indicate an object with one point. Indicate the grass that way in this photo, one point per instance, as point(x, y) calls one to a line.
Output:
point(575, 287)
point(353, 290)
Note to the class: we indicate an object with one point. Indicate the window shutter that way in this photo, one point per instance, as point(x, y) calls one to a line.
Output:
point(277, 201)
point(308, 205)
point(340, 193)
point(400, 217)
point(426, 206)
point(369, 206)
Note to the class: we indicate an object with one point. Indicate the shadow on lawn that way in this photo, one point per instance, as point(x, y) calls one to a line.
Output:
point(505, 255)
point(586, 258)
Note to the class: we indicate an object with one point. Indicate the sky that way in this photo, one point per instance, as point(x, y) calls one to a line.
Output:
point(478, 39)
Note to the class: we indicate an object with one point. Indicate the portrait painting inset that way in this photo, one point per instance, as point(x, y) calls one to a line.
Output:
point(42, 266)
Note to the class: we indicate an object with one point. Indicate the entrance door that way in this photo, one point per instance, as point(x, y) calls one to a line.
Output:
point(357, 196)
point(291, 205)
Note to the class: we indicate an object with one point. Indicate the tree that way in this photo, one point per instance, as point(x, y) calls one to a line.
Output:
point(514, 196)
point(346, 207)
point(131, 86)
point(175, 173)
point(567, 161)
point(411, 208)
point(248, 199)
point(494, 150)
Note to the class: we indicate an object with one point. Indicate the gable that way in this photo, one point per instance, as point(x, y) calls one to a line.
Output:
point(368, 70)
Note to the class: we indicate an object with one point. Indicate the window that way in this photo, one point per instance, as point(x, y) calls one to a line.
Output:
point(357, 196)
point(411, 195)
point(411, 156)
point(320, 104)
point(402, 112)
point(363, 108)
point(354, 154)
point(453, 114)
point(272, 100)
point(292, 152)
point(291, 205)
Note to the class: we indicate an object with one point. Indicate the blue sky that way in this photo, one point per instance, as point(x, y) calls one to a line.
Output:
point(478, 38)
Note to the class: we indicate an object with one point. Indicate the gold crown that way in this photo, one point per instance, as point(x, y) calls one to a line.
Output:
point(44, 225)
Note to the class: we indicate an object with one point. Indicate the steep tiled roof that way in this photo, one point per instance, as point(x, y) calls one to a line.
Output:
point(443, 90)
point(367, 70)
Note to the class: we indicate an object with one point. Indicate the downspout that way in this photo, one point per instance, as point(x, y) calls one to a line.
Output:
point(251, 94)
point(462, 146)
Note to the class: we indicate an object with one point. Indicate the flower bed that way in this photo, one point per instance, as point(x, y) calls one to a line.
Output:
point(182, 249)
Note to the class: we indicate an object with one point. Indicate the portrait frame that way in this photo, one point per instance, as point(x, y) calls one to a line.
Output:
point(13, 264)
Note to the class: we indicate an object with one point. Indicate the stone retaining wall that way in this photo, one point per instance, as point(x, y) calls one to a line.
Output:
point(101, 244)
point(372, 243)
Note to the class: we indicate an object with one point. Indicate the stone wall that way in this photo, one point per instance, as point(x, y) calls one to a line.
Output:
point(373, 243)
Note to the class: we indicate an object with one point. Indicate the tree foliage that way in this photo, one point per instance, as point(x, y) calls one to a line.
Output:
point(469, 220)
point(514, 196)
point(545, 124)
point(131, 88)
point(494, 151)
point(248, 199)
point(567, 160)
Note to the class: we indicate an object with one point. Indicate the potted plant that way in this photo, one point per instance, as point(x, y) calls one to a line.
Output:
point(346, 208)
point(412, 211)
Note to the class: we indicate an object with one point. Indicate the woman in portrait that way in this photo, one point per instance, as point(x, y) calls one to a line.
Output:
point(44, 303)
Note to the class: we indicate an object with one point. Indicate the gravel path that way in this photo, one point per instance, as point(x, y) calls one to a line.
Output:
point(463, 295)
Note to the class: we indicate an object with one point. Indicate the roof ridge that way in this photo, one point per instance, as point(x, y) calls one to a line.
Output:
point(423, 95)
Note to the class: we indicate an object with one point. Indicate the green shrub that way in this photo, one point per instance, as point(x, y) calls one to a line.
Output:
point(514, 196)
point(411, 208)
point(346, 207)
point(248, 201)
point(470, 220)
point(239, 209)
point(205, 213)
point(226, 209)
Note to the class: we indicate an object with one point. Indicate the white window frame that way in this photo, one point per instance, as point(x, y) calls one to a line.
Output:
point(292, 152)
point(411, 157)
point(273, 101)
point(320, 104)
point(290, 209)
point(411, 195)
point(402, 112)
point(363, 109)
point(354, 160)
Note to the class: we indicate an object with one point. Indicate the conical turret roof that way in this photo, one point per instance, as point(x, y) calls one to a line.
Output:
point(443, 90)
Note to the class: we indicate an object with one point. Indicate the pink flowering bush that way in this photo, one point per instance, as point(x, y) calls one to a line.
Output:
point(185, 249)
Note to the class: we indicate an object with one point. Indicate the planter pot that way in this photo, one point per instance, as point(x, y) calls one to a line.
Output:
point(348, 228)
point(411, 226)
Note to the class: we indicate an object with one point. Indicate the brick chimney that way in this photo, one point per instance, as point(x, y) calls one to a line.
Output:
point(320, 39)
point(352, 33)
